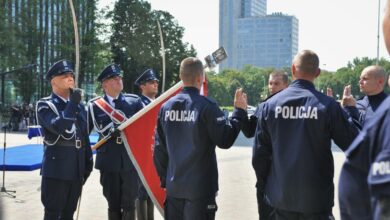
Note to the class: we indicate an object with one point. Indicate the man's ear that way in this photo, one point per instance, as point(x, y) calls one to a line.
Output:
point(318, 72)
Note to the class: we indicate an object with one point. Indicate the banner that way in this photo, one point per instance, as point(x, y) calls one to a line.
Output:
point(138, 135)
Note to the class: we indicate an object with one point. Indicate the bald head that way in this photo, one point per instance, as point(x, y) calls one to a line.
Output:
point(191, 70)
point(372, 80)
point(306, 65)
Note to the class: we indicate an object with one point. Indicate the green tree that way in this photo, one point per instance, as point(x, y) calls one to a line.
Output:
point(135, 41)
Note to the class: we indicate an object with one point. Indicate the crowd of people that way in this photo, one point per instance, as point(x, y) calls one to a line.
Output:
point(22, 116)
point(292, 158)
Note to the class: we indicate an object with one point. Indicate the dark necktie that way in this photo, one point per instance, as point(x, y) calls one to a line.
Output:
point(118, 104)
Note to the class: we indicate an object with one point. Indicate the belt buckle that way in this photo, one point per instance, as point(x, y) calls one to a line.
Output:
point(119, 140)
point(78, 144)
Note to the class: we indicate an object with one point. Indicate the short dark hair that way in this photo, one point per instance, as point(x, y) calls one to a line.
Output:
point(190, 68)
point(280, 73)
point(307, 62)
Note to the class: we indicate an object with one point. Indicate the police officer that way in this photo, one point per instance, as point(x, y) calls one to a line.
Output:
point(372, 82)
point(368, 156)
point(292, 154)
point(354, 194)
point(278, 80)
point(148, 85)
point(188, 129)
point(117, 173)
point(67, 160)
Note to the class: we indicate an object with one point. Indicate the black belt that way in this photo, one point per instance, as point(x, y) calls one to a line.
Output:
point(69, 143)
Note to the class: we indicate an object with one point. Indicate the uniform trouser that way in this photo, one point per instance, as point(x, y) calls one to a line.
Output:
point(59, 197)
point(264, 209)
point(194, 209)
point(145, 206)
point(354, 196)
point(120, 190)
point(279, 214)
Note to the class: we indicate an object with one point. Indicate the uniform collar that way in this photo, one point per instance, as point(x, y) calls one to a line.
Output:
point(57, 99)
point(143, 96)
point(191, 90)
point(111, 99)
point(302, 84)
point(378, 97)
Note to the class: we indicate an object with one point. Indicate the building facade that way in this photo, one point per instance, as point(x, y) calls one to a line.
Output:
point(251, 37)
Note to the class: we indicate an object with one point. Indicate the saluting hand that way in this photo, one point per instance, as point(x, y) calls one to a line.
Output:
point(240, 99)
point(329, 92)
point(348, 99)
point(75, 95)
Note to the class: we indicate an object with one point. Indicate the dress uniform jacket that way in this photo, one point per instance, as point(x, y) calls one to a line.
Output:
point(145, 100)
point(112, 155)
point(68, 154)
point(188, 129)
point(292, 154)
point(369, 154)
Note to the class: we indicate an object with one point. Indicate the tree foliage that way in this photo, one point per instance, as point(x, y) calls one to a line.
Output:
point(254, 81)
point(135, 41)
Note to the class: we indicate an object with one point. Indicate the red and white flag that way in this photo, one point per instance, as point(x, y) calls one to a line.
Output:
point(138, 134)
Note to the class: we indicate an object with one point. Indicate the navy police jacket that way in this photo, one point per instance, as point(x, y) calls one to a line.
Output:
point(145, 100)
point(112, 155)
point(292, 153)
point(370, 154)
point(67, 154)
point(189, 127)
point(365, 107)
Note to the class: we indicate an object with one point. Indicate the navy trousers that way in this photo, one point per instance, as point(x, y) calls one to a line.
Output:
point(185, 209)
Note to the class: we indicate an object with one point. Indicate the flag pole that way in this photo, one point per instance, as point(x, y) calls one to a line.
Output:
point(162, 56)
point(77, 45)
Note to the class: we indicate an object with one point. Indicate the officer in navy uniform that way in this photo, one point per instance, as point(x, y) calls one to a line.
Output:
point(189, 127)
point(372, 82)
point(354, 195)
point(117, 173)
point(67, 160)
point(292, 155)
point(369, 155)
point(148, 85)
point(278, 80)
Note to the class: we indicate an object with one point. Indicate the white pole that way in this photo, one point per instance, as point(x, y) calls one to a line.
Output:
point(377, 46)
point(76, 39)
point(162, 56)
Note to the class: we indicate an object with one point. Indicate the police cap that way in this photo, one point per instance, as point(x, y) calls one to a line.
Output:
point(108, 72)
point(148, 75)
point(59, 68)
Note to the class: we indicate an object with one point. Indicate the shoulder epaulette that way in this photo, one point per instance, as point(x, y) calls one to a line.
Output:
point(130, 95)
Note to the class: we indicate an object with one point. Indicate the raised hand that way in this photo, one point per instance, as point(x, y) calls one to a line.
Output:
point(240, 99)
point(348, 99)
point(329, 92)
point(75, 95)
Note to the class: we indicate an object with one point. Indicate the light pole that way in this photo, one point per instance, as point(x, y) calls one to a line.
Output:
point(377, 43)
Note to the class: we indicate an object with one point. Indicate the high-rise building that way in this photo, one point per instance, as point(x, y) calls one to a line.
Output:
point(251, 37)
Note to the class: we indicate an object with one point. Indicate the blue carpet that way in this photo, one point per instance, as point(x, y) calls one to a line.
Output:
point(26, 157)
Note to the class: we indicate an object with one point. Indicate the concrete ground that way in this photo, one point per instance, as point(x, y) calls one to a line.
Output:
point(236, 198)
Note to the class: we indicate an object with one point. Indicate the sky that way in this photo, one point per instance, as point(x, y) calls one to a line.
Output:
point(337, 30)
